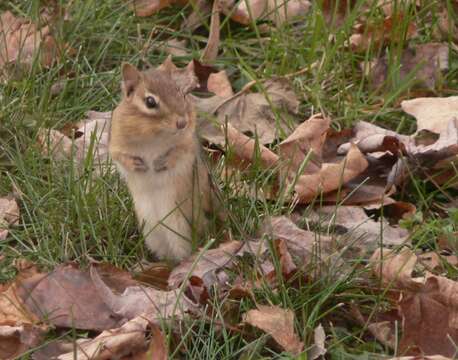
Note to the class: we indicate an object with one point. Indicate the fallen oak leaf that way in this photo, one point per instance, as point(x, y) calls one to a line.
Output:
point(277, 322)
point(331, 176)
point(318, 348)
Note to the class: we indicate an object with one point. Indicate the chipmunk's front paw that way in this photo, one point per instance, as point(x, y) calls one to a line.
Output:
point(137, 164)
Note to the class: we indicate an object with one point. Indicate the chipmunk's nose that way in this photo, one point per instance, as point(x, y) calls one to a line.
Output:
point(181, 123)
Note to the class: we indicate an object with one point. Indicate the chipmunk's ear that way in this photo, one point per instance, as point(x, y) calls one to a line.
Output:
point(168, 65)
point(130, 78)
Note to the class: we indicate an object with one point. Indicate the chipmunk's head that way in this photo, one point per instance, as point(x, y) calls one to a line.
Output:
point(155, 100)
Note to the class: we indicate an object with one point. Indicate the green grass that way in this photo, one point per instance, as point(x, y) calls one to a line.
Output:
point(68, 215)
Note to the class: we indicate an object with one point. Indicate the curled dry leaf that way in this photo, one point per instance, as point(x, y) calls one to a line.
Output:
point(154, 305)
point(432, 114)
point(92, 135)
point(426, 62)
point(277, 322)
point(246, 12)
point(9, 215)
point(122, 341)
point(247, 112)
point(318, 348)
point(248, 150)
point(331, 176)
point(308, 136)
point(210, 52)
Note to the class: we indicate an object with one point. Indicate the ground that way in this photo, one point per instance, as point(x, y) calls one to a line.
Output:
point(68, 215)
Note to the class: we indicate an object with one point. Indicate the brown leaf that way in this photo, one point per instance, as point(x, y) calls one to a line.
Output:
point(127, 339)
point(318, 348)
point(21, 41)
point(145, 8)
point(154, 305)
point(9, 215)
point(277, 322)
point(331, 176)
point(366, 232)
point(157, 349)
point(426, 62)
point(156, 275)
point(308, 136)
point(247, 112)
point(205, 265)
point(176, 47)
point(378, 33)
point(219, 84)
point(210, 52)
point(278, 12)
point(429, 304)
point(93, 131)
point(67, 297)
point(246, 150)
point(15, 340)
point(430, 316)
point(432, 114)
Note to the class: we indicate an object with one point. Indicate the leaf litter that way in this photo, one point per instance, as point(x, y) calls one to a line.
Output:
point(360, 166)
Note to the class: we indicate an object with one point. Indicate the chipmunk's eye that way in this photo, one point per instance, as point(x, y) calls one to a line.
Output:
point(150, 102)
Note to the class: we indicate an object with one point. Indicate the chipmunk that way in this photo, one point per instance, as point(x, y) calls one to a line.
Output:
point(154, 144)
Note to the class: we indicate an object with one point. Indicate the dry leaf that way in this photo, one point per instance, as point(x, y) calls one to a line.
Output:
point(247, 150)
point(363, 230)
point(210, 52)
point(432, 114)
point(219, 84)
point(318, 348)
point(154, 305)
point(247, 112)
point(176, 47)
point(205, 265)
point(246, 12)
point(93, 136)
point(331, 176)
point(67, 297)
point(15, 340)
point(149, 7)
point(379, 33)
point(277, 322)
point(429, 305)
point(129, 338)
point(426, 62)
point(308, 136)
point(9, 215)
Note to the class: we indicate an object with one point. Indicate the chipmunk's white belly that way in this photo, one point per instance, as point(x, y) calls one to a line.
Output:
point(164, 208)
